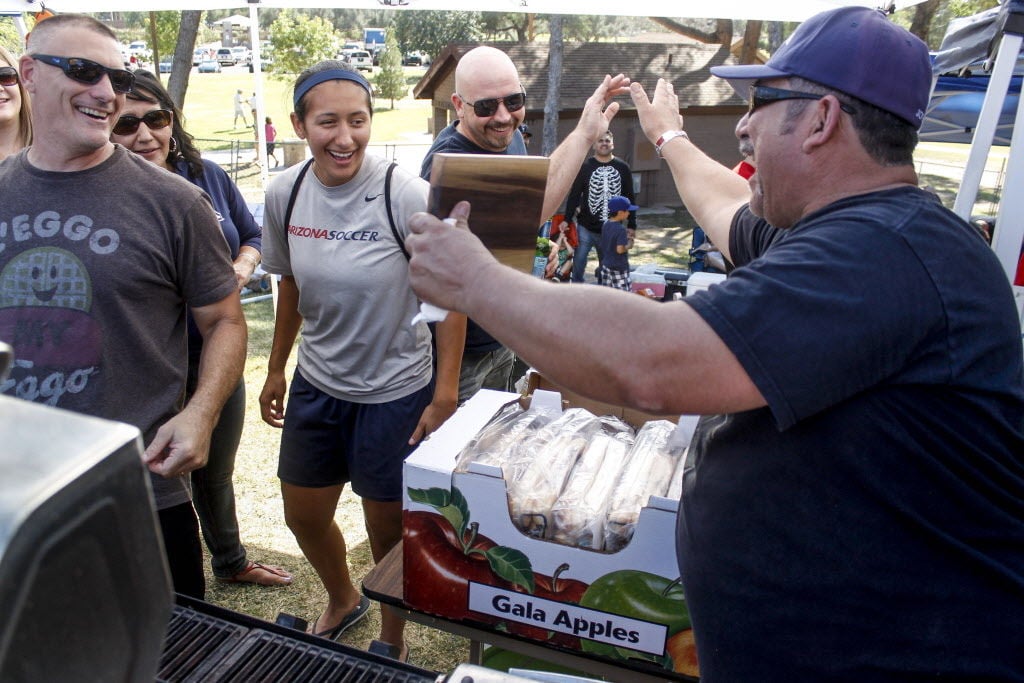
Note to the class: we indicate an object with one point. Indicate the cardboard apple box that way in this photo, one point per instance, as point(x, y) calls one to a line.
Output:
point(464, 559)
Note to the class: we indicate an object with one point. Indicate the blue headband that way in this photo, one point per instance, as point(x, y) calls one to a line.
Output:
point(330, 75)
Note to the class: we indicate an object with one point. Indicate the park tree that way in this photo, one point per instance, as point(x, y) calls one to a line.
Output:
point(390, 80)
point(9, 36)
point(515, 26)
point(184, 45)
point(299, 41)
point(431, 31)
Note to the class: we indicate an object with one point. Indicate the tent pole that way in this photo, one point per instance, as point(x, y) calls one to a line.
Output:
point(257, 76)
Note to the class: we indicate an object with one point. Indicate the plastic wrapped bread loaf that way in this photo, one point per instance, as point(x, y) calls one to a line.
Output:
point(495, 443)
point(541, 466)
point(578, 516)
point(647, 473)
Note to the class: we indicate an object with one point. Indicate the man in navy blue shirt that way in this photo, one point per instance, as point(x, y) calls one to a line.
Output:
point(853, 501)
point(490, 104)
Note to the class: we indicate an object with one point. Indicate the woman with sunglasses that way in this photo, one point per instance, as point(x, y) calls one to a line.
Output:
point(151, 126)
point(364, 392)
point(15, 110)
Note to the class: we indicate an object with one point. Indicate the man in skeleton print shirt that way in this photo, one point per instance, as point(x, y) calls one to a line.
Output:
point(602, 176)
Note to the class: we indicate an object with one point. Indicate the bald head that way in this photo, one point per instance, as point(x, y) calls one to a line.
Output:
point(483, 68)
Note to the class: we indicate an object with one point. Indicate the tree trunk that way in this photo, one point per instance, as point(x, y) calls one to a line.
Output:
point(723, 32)
point(774, 36)
point(155, 53)
point(555, 49)
point(684, 30)
point(181, 66)
point(751, 37)
point(924, 13)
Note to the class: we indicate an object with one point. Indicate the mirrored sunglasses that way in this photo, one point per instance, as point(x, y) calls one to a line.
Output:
point(489, 107)
point(154, 120)
point(8, 75)
point(89, 72)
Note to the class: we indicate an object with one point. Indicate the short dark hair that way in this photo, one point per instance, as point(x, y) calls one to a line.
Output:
point(887, 138)
point(58, 21)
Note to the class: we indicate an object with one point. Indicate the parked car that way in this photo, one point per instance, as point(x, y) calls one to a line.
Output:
point(198, 55)
point(360, 60)
point(225, 57)
point(412, 59)
point(241, 54)
point(165, 66)
point(209, 66)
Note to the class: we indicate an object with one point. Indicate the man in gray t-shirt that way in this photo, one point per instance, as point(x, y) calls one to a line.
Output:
point(102, 255)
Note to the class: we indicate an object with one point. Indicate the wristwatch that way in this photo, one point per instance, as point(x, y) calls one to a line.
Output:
point(666, 136)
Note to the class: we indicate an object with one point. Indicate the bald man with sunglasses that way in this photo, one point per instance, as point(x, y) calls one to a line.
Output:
point(490, 104)
point(101, 253)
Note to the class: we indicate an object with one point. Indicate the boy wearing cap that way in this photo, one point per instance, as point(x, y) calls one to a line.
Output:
point(613, 270)
point(852, 506)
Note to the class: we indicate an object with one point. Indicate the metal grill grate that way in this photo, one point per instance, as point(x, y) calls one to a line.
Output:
point(200, 647)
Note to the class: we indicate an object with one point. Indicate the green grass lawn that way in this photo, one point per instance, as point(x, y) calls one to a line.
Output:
point(209, 108)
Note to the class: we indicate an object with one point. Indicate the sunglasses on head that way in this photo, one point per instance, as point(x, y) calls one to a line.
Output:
point(761, 95)
point(154, 120)
point(87, 71)
point(489, 107)
point(8, 75)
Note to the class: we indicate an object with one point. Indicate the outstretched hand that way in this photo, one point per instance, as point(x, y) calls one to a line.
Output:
point(660, 114)
point(445, 259)
point(599, 109)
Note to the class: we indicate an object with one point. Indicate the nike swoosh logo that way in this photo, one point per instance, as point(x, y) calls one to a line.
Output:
point(368, 198)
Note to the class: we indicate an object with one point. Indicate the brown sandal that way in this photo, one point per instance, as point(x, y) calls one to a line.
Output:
point(261, 575)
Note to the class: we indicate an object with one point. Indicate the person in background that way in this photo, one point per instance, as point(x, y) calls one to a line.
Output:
point(524, 130)
point(15, 108)
point(615, 243)
point(152, 126)
point(853, 504)
point(364, 391)
point(110, 289)
point(239, 109)
point(490, 104)
point(271, 135)
point(600, 178)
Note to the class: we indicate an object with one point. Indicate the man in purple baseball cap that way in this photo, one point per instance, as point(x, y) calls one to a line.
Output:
point(853, 504)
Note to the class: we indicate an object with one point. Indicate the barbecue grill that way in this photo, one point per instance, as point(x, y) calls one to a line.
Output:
point(211, 644)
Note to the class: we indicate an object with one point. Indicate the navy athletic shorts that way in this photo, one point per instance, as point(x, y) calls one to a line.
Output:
point(327, 441)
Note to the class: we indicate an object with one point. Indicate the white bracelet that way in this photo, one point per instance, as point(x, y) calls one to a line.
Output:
point(250, 258)
point(666, 136)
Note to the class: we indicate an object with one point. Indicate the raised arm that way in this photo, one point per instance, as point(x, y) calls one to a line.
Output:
point(712, 192)
point(566, 160)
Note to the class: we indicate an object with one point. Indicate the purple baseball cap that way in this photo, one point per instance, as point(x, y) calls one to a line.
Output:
point(620, 203)
point(855, 50)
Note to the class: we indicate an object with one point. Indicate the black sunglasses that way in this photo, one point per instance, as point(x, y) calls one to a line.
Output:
point(8, 75)
point(761, 95)
point(489, 107)
point(154, 120)
point(87, 71)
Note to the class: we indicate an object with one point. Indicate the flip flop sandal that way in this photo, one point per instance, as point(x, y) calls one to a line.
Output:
point(278, 576)
point(388, 650)
point(350, 620)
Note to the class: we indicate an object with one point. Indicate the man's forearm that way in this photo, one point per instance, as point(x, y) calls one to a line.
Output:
point(220, 365)
point(711, 192)
point(565, 164)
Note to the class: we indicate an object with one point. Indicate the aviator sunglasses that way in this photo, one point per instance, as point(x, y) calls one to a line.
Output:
point(761, 95)
point(154, 120)
point(89, 72)
point(489, 107)
point(8, 76)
